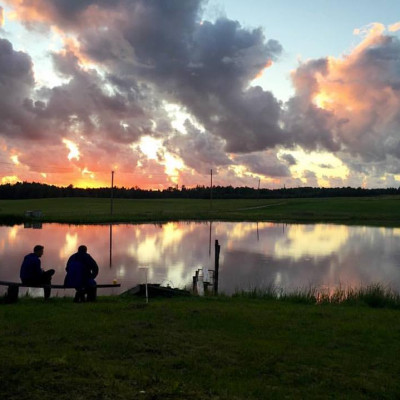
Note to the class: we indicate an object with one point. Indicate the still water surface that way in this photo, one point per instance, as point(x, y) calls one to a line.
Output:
point(252, 254)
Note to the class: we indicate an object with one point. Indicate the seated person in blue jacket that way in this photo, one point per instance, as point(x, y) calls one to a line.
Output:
point(31, 272)
point(81, 271)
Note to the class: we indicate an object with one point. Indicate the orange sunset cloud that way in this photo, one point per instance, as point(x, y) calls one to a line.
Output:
point(161, 95)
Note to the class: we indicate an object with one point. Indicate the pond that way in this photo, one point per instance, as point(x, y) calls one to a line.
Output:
point(253, 255)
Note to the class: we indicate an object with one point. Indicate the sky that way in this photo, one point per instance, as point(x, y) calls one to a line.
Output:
point(269, 93)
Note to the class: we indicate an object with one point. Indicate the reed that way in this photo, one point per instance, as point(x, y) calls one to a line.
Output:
point(376, 295)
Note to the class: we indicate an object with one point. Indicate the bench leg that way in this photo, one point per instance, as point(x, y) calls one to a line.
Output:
point(91, 294)
point(47, 292)
point(12, 294)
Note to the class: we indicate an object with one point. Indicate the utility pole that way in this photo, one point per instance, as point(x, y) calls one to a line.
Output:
point(112, 192)
point(111, 226)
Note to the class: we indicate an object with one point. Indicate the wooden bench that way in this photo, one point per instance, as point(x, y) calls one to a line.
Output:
point(13, 288)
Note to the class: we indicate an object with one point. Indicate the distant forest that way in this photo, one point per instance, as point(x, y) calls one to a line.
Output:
point(27, 190)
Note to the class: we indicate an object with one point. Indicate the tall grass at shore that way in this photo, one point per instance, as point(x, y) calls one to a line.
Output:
point(375, 295)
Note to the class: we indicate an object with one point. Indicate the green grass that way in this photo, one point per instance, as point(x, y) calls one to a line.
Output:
point(197, 348)
point(382, 211)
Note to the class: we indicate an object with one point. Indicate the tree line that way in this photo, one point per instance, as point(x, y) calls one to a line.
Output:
point(34, 190)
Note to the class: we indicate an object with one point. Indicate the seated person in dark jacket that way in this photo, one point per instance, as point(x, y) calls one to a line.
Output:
point(31, 272)
point(81, 271)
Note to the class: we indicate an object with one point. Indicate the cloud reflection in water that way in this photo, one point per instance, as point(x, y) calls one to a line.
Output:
point(252, 254)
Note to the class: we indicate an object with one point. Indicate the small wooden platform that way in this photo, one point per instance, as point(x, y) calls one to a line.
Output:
point(155, 290)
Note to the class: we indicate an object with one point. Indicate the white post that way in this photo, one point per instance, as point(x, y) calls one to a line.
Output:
point(147, 292)
point(145, 274)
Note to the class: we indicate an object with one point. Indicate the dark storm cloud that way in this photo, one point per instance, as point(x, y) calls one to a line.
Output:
point(16, 84)
point(326, 166)
point(15, 70)
point(310, 126)
point(206, 67)
point(264, 164)
point(164, 47)
point(83, 105)
point(311, 178)
point(66, 14)
point(289, 159)
point(199, 150)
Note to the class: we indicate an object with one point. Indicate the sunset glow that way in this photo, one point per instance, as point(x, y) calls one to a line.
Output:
point(149, 147)
point(261, 72)
point(73, 149)
point(87, 90)
point(323, 100)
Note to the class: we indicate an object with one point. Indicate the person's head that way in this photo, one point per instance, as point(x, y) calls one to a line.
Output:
point(38, 250)
point(82, 249)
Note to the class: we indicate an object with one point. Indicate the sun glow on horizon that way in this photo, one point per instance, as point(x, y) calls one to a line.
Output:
point(86, 171)
point(10, 179)
point(323, 164)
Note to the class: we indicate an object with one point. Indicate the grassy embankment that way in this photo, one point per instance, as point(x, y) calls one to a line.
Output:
point(197, 348)
point(383, 211)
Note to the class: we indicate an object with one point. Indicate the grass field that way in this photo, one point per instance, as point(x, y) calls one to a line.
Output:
point(384, 211)
point(197, 348)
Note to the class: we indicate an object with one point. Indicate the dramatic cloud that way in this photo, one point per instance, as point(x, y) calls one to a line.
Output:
point(265, 163)
point(122, 64)
point(205, 67)
point(123, 61)
point(16, 84)
point(352, 104)
point(289, 159)
point(199, 150)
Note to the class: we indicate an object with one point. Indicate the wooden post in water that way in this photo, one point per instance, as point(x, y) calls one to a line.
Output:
point(216, 270)
point(209, 241)
point(211, 194)
point(111, 227)
point(194, 284)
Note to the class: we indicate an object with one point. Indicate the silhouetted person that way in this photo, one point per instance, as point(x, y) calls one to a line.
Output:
point(31, 272)
point(81, 270)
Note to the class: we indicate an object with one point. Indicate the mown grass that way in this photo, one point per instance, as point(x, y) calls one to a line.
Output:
point(197, 348)
point(383, 210)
